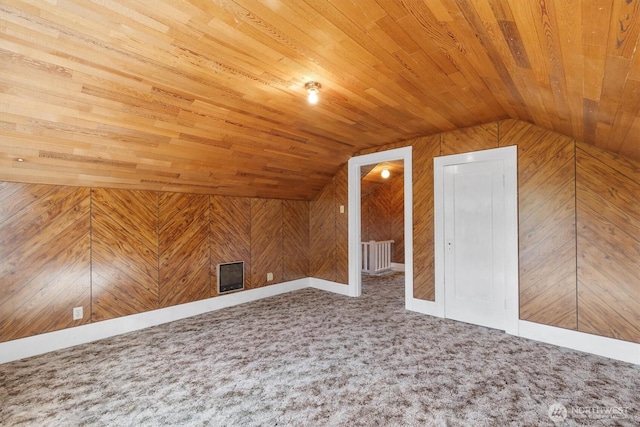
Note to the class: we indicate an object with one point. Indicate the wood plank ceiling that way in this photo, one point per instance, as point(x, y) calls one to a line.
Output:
point(208, 96)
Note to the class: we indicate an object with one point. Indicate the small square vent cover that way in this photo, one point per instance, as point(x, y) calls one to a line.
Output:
point(230, 276)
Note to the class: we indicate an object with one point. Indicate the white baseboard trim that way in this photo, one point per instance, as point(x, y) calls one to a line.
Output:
point(397, 266)
point(44, 343)
point(624, 351)
point(326, 285)
point(602, 346)
point(39, 344)
point(422, 306)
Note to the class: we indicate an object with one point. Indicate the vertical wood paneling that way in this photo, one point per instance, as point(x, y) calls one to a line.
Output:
point(342, 225)
point(608, 193)
point(44, 258)
point(230, 235)
point(546, 192)
point(124, 255)
point(266, 242)
point(184, 241)
point(295, 239)
point(424, 150)
point(323, 233)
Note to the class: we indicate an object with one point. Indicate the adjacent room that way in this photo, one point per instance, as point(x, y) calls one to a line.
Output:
point(319, 212)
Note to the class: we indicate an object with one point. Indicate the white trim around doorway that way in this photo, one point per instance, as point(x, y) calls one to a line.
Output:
point(509, 157)
point(355, 261)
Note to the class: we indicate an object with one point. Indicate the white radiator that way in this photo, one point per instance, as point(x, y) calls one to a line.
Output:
point(376, 256)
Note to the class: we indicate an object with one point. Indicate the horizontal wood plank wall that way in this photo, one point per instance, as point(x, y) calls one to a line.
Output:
point(295, 239)
point(342, 225)
point(322, 218)
point(44, 258)
point(266, 242)
point(124, 252)
point(608, 195)
point(184, 248)
point(547, 238)
point(230, 235)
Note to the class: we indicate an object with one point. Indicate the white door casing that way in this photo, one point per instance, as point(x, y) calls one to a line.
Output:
point(355, 261)
point(503, 269)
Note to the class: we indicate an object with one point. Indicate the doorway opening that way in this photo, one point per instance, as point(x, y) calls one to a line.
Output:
point(355, 215)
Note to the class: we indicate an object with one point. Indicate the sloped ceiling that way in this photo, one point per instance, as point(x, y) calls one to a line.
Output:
point(371, 175)
point(208, 96)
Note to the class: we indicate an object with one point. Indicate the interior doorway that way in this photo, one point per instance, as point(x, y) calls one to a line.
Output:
point(382, 217)
point(355, 215)
point(476, 237)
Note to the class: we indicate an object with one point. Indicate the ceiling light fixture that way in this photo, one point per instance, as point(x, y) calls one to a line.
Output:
point(313, 89)
point(385, 173)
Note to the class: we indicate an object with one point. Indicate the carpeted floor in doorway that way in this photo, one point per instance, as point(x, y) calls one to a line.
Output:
point(312, 358)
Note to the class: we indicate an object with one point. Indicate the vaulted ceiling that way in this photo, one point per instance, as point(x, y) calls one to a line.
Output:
point(208, 96)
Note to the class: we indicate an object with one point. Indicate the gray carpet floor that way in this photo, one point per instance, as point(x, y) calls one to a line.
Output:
point(312, 358)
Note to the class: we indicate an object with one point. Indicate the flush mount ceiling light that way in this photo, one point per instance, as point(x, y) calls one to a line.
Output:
point(385, 173)
point(313, 89)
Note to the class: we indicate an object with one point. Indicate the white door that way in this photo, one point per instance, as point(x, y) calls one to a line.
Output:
point(475, 243)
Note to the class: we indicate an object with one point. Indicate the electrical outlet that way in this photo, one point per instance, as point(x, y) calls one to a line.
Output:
point(78, 313)
point(269, 277)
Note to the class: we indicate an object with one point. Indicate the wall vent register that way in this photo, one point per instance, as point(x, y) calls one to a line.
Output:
point(230, 276)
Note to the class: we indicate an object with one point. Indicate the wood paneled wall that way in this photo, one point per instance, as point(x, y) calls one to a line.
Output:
point(322, 220)
point(45, 267)
point(375, 206)
point(342, 225)
point(470, 139)
point(382, 216)
point(230, 235)
point(295, 239)
point(547, 237)
point(184, 248)
point(608, 205)
point(117, 252)
point(124, 252)
point(424, 150)
point(329, 256)
point(578, 266)
point(120, 252)
point(266, 242)
point(397, 218)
